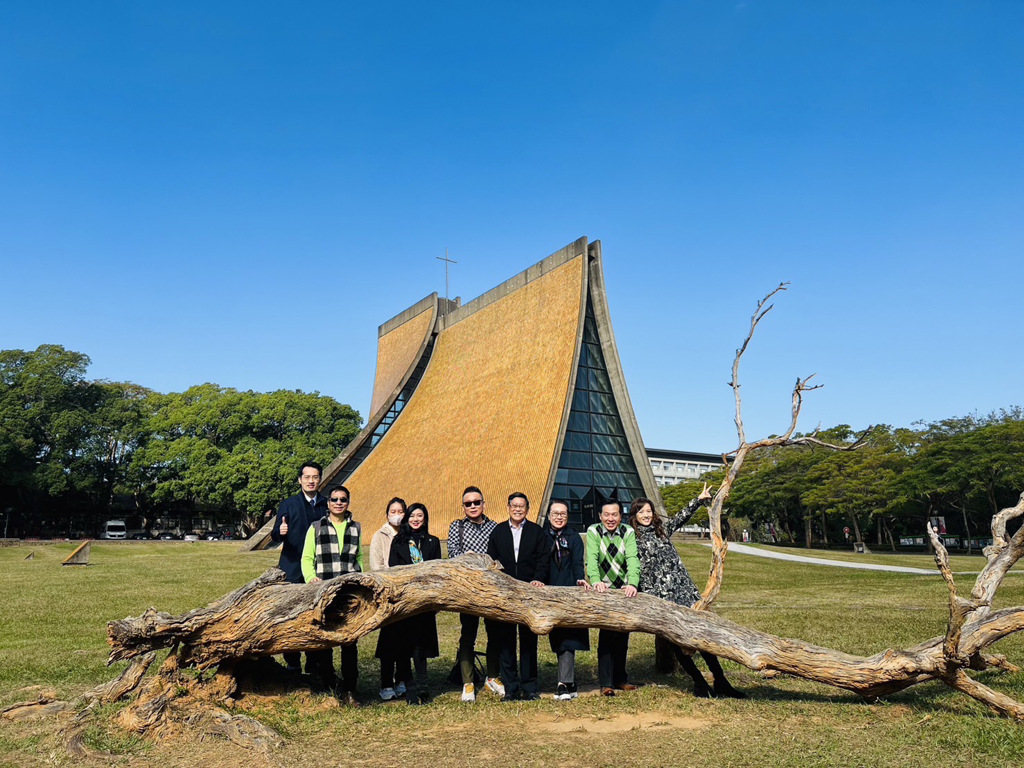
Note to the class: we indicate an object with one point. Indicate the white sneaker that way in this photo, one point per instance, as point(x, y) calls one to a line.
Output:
point(400, 689)
point(468, 692)
point(388, 694)
point(494, 685)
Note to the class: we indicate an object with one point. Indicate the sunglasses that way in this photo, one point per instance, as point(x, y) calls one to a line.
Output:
point(339, 501)
point(475, 503)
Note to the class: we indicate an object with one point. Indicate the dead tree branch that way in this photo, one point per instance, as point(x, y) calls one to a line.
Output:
point(270, 616)
point(719, 547)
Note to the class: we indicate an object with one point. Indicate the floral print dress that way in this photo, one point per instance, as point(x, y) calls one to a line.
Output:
point(662, 573)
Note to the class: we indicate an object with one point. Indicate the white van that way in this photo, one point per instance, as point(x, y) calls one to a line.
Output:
point(115, 529)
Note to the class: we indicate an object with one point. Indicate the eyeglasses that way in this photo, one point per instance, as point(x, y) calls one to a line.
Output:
point(473, 503)
point(339, 501)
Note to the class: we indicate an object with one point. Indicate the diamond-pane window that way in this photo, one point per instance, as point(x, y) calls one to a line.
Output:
point(594, 438)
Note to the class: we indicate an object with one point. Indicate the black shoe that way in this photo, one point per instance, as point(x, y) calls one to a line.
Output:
point(515, 696)
point(321, 684)
point(530, 697)
point(415, 697)
point(701, 690)
point(562, 692)
point(724, 690)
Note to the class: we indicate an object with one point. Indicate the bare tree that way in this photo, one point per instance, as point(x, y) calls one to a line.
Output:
point(739, 455)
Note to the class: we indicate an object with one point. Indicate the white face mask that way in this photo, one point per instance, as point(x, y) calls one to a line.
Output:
point(395, 520)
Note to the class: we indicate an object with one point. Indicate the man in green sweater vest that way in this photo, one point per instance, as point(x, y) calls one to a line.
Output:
point(332, 548)
point(612, 563)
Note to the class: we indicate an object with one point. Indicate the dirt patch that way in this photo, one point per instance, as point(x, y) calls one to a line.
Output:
point(641, 721)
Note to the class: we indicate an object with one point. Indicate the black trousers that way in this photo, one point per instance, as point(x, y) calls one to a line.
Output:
point(611, 657)
point(416, 685)
point(467, 646)
point(524, 679)
point(323, 665)
point(393, 671)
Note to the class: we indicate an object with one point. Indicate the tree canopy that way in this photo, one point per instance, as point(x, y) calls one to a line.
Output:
point(960, 469)
point(74, 452)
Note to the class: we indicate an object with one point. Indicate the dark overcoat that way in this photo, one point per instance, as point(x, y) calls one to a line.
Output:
point(399, 638)
point(566, 574)
point(301, 514)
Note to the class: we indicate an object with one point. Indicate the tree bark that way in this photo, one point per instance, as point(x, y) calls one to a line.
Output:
point(857, 537)
point(270, 616)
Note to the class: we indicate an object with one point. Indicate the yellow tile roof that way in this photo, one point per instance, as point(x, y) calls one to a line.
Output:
point(397, 350)
point(488, 409)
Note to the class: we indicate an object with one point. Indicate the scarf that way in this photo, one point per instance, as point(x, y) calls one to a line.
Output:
point(331, 557)
point(414, 551)
point(559, 545)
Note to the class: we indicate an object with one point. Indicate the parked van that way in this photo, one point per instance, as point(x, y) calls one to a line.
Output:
point(115, 529)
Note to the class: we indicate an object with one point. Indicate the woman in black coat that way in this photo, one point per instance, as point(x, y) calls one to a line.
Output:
point(565, 569)
point(416, 636)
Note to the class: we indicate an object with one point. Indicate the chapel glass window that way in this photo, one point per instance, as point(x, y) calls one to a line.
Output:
point(596, 463)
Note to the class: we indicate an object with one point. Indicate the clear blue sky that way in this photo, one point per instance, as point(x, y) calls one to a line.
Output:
point(241, 192)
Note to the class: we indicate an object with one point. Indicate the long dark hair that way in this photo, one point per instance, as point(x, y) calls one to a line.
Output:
point(423, 531)
point(656, 524)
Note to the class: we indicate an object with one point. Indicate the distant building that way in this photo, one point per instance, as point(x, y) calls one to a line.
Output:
point(671, 467)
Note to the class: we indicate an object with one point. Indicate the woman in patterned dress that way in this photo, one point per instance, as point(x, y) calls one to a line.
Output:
point(663, 575)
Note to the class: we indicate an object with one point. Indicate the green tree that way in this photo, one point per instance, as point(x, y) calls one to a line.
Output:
point(857, 486)
point(968, 469)
point(222, 448)
point(46, 417)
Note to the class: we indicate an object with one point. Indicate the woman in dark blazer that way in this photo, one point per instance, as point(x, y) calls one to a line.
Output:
point(565, 569)
point(416, 636)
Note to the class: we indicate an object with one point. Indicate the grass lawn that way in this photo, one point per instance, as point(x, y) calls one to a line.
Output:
point(52, 638)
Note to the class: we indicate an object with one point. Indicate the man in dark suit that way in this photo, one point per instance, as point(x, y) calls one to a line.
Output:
point(294, 517)
point(520, 546)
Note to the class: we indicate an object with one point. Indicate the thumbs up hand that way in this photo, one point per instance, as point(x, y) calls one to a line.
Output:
point(284, 525)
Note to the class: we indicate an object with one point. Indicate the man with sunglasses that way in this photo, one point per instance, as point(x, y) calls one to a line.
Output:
point(332, 548)
point(294, 517)
point(471, 534)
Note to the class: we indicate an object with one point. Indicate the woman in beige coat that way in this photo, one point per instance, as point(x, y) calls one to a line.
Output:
point(380, 550)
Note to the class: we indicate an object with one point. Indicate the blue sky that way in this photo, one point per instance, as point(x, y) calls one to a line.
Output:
point(241, 192)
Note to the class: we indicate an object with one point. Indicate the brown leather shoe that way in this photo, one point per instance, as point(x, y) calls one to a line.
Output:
point(349, 699)
point(627, 687)
point(607, 691)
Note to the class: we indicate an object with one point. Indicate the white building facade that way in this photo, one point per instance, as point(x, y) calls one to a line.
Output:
point(671, 467)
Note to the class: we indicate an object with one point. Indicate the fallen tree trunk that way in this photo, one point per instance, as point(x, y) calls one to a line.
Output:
point(269, 616)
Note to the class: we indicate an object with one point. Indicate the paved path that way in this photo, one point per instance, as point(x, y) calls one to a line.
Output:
point(743, 549)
